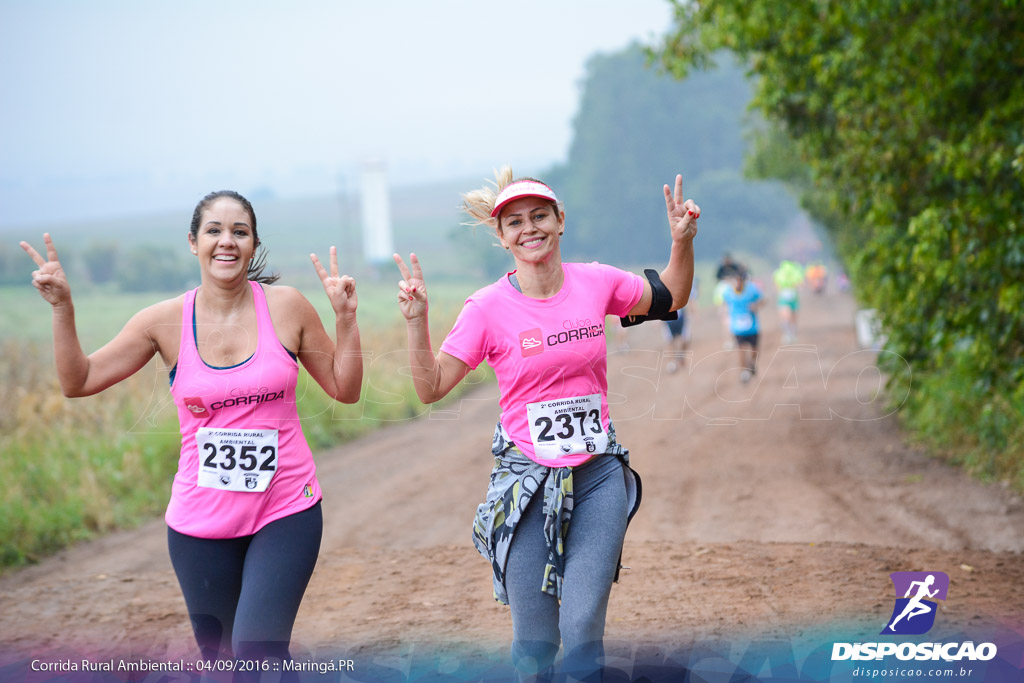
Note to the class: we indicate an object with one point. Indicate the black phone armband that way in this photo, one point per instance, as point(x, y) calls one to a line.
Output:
point(661, 302)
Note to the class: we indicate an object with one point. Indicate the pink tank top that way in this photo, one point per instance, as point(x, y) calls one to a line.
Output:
point(244, 459)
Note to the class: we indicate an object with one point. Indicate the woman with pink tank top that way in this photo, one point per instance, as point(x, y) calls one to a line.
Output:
point(561, 492)
point(244, 519)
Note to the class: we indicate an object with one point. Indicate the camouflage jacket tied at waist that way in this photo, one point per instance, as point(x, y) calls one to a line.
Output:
point(514, 481)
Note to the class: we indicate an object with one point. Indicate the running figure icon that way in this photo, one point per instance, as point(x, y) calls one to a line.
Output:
point(915, 607)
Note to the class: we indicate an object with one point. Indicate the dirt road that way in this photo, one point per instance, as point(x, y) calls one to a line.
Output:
point(773, 510)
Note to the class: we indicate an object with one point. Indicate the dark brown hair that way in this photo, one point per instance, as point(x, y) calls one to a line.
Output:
point(259, 261)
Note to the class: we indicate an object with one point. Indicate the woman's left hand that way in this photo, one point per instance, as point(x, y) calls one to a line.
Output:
point(682, 215)
point(341, 291)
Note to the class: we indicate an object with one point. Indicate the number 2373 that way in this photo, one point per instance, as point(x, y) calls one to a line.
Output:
point(567, 425)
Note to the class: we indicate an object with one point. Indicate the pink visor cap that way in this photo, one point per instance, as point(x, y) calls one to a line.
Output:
point(519, 189)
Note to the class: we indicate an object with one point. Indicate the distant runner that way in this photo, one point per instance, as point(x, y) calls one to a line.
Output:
point(788, 277)
point(817, 277)
point(743, 299)
point(727, 270)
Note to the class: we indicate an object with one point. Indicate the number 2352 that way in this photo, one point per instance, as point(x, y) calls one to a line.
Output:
point(246, 458)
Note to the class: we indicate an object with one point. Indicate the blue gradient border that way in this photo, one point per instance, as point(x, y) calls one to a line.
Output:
point(806, 658)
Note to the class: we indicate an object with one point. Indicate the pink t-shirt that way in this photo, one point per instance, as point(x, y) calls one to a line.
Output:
point(244, 460)
point(550, 358)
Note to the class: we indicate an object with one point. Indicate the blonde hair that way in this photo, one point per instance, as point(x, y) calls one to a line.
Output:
point(480, 203)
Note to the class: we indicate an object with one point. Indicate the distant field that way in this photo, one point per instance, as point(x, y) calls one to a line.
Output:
point(101, 312)
point(425, 219)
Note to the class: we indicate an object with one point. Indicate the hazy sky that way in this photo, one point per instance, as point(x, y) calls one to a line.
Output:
point(112, 107)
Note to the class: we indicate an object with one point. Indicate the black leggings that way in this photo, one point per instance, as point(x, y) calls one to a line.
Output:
point(243, 593)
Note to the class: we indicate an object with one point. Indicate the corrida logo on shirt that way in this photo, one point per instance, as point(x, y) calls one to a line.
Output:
point(197, 407)
point(534, 341)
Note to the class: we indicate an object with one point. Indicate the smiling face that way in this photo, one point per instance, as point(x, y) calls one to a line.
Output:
point(531, 228)
point(224, 241)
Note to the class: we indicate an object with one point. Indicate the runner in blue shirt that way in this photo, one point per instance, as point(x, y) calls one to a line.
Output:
point(743, 299)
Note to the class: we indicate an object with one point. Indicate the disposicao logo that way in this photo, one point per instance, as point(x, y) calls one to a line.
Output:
point(914, 613)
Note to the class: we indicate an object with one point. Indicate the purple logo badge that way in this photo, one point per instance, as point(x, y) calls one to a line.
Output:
point(914, 612)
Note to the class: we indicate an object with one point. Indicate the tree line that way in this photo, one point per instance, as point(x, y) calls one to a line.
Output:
point(636, 127)
point(900, 125)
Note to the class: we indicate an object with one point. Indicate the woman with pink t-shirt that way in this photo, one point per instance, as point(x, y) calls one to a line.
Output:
point(244, 519)
point(561, 492)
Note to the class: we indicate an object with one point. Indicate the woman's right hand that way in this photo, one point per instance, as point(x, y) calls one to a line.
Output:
point(49, 279)
point(412, 291)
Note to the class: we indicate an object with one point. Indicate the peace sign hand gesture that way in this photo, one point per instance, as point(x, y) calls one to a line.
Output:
point(682, 216)
point(50, 279)
point(412, 290)
point(341, 291)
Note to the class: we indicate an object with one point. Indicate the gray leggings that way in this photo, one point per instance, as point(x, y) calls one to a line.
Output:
point(593, 546)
